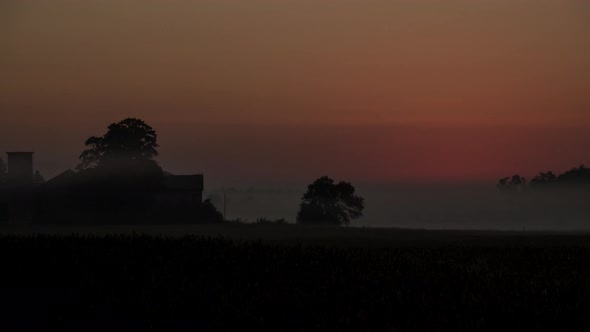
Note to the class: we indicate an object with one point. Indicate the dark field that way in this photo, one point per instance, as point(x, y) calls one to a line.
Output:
point(293, 278)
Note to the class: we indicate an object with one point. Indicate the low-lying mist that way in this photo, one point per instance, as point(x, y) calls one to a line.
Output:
point(473, 207)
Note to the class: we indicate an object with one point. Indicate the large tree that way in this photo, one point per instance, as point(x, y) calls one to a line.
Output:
point(118, 176)
point(327, 202)
point(130, 144)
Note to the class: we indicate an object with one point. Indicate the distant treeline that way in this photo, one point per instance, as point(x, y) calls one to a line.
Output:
point(578, 177)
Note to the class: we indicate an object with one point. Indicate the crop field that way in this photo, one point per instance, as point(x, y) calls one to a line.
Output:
point(292, 278)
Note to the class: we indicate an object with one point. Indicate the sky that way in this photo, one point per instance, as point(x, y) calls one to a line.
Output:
point(276, 91)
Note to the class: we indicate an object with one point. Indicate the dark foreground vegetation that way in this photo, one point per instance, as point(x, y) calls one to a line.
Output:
point(143, 281)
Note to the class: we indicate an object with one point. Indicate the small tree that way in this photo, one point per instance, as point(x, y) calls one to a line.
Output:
point(514, 183)
point(38, 178)
point(328, 203)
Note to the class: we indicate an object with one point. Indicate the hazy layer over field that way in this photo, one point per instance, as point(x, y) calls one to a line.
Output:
point(427, 206)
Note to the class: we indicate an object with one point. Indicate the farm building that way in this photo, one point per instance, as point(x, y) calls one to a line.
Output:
point(75, 196)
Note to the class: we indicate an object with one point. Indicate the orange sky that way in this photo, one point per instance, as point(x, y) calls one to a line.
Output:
point(449, 79)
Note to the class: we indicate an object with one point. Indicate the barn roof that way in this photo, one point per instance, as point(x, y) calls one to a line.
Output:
point(64, 178)
point(171, 182)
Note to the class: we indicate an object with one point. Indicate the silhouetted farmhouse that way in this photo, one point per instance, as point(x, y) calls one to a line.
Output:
point(84, 197)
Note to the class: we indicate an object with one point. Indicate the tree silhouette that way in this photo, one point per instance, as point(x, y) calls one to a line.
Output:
point(127, 144)
point(514, 183)
point(544, 178)
point(328, 203)
point(577, 175)
point(118, 175)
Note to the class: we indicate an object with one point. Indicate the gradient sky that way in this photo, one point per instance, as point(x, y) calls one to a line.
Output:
point(277, 90)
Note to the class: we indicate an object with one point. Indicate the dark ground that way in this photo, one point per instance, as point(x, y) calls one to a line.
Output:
point(292, 278)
